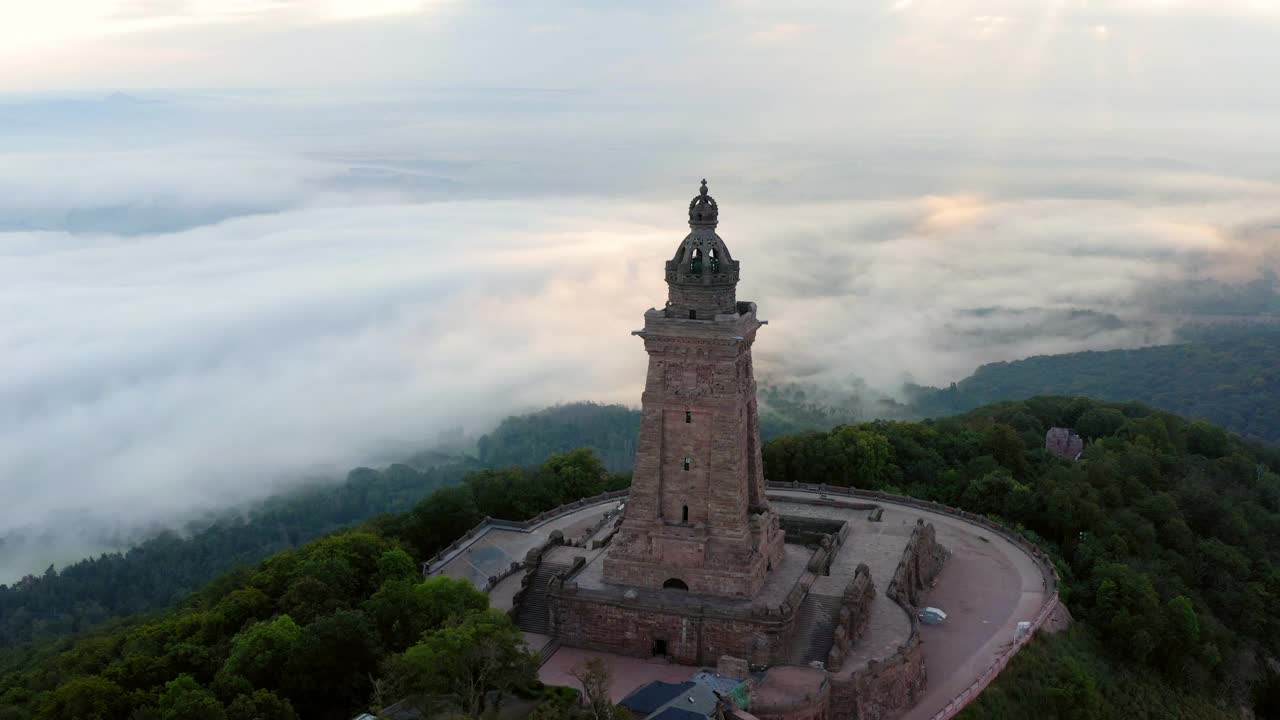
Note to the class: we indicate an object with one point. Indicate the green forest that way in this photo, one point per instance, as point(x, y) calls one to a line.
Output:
point(1229, 376)
point(609, 430)
point(302, 633)
point(168, 567)
point(1165, 534)
point(1224, 374)
point(165, 569)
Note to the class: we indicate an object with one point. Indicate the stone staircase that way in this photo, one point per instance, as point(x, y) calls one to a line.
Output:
point(532, 615)
point(815, 628)
point(547, 651)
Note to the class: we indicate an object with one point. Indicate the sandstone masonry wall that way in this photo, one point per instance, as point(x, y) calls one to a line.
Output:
point(854, 614)
point(886, 687)
point(921, 561)
point(693, 635)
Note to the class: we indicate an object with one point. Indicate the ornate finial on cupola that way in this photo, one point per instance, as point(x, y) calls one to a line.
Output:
point(702, 209)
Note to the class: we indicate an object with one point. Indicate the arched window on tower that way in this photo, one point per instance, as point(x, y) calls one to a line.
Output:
point(715, 261)
point(684, 514)
point(686, 462)
point(695, 265)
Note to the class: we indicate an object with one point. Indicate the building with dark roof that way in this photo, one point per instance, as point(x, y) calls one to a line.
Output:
point(673, 701)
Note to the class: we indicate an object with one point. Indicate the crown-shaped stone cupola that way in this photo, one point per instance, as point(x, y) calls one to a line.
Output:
point(703, 209)
point(702, 278)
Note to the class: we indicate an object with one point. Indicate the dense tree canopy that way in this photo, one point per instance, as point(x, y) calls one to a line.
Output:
point(166, 568)
point(1168, 531)
point(311, 631)
point(609, 430)
point(1229, 378)
point(1165, 532)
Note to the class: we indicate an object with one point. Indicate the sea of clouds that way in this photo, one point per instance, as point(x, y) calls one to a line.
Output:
point(209, 296)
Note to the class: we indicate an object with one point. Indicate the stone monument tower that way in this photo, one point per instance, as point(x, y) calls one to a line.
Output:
point(697, 518)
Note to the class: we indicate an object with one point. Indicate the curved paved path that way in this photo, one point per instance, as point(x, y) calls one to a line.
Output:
point(987, 587)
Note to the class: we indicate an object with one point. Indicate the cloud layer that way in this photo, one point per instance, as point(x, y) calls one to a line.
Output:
point(209, 295)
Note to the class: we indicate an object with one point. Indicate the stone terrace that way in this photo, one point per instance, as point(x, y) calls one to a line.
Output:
point(880, 546)
point(492, 549)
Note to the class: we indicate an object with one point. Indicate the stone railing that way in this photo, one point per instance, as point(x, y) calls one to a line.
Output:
point(493, 580)
point(855, 612)
point(823, 501)
point(483, 526)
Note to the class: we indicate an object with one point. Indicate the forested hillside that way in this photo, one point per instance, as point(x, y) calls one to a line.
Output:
point(302, 633)
point(1166, 534)
point(609, 430)
point(166, 568)
point(1229, 378)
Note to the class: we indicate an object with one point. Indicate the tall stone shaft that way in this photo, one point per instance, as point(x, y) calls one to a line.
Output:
point(697, 517)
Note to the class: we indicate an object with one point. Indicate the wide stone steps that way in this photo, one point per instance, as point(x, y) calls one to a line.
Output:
point(815, 629)
point(532, 616)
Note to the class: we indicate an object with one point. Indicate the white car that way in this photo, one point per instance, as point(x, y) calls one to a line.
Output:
point(932, 616)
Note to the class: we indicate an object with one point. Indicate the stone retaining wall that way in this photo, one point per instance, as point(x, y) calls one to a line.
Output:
point(855, 611)
point(884, 688)
point(921, 561)
point(695, 631)
point(696, 635)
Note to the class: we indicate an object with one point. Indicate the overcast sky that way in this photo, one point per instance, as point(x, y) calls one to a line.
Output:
point(243, 244)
